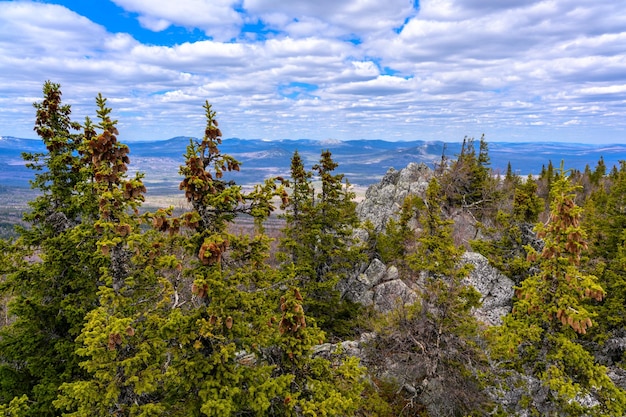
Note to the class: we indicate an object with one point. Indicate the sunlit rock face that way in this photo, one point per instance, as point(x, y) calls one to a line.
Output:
point(384, 200)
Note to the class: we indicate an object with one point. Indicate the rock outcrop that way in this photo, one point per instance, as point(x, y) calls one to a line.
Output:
point(380, 286)
point(384, 200)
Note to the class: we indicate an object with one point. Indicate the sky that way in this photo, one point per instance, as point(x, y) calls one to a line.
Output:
point(514, 70)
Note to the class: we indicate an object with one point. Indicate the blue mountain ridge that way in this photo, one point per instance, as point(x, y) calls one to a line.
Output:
point(363, 162)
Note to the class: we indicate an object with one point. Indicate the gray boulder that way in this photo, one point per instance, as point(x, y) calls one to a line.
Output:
point(496, 289)
point(377, 285)
point(391, 294)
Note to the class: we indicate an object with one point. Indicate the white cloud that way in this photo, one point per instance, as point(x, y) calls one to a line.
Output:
point(363, 18)
point(216, 17)
point(42, 29)
point(383, 85)
point(448, 69)
point(611, 89)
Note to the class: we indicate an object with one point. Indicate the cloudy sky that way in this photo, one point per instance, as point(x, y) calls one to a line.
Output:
point(515, 70)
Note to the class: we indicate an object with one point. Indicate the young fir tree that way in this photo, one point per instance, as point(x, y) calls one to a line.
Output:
point(298, 214)
point(318, 241)
point(599, 172)
point(509, 176)
point(436, 340)
point(319, 385)
point(54, 266)
point(547, 176)
point(541, 337)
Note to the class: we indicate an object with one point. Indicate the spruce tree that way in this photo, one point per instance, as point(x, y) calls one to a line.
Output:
point(541, 338)
point(599, 172)
point(121, 358)
point(318, 241)
point(54, 266)
point(58, 170)
point(298, 214)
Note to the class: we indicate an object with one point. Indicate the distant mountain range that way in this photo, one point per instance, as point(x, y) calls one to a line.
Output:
point(362, 161)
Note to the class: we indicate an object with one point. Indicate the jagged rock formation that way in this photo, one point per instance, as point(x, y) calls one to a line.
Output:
point(380, 286)
point(384, 200)
point(348, 347)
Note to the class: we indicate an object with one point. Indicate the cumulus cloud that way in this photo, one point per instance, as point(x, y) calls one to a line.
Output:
point(216, 17)
point(440, 69)
point(363, 18)
point(42, 30)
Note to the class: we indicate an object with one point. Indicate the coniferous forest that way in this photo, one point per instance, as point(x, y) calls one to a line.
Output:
point(113, 310)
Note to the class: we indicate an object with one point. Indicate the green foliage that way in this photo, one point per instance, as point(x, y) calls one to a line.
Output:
point(105, 315)
point(468, 179)
point(552, 309)
point(527, 206)
point(318, 242)
point(396, 241)
point(604, 220)
point(611, 313)
point(599, 173)
point(510, 233)
point(435, 252)
point(57, 171)
point(185, 323)
point(18, 407)
point(116, 342)
point(319, 385)
point(52, 271)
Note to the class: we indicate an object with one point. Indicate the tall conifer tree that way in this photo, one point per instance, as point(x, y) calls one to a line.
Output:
point(54, 271)
point(541, 336)
point(318, 239)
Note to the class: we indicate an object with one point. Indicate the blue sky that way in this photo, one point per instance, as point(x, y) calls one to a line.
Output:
point(515, 70)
